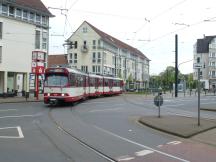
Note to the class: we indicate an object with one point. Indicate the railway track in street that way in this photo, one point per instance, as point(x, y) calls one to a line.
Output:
point(81, 142)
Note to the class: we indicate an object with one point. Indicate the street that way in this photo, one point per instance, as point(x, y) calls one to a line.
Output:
point(101, 129)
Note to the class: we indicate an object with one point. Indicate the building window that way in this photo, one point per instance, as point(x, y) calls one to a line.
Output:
point(38, 19)
point(99, 58)
point(75, 58)
point(25, 15)
point(11, 11)
point(18, 13)
point(104, 58)
point(96, 69)
point(93, 69)
point(44, 40)
point(93, 57)
point(99, 44)
point(85, 29)
point(75, 45)
point(32, 17)
point(44, 20)
point(4, 9)
point(94, 44)
point(84, 68)
point(212, 74)
point(37, 39)
point(0, 54)
point(113, 60)
point(1, 29)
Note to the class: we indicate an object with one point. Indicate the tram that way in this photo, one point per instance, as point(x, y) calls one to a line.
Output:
point(71, 85)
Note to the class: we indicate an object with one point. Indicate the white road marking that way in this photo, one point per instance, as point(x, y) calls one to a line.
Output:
point(17, 116)
point(8, 110)
point(143, 152)
point(174, 142)
point(105, 110)
point(176, 105)
point(208, 103)
point(143, 146)
point(125, 158)
point(93, 103)
point(20, 133)
point(160, 146)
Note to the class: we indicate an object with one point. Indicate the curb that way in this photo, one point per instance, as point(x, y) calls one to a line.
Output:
point(173, 133)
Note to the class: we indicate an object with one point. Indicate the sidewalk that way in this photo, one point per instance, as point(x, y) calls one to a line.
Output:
point(185, 127)
point(18, 99)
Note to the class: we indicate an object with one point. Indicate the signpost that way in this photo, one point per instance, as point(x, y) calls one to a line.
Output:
point(38, 59)
point(198, 66)
point(158, 101)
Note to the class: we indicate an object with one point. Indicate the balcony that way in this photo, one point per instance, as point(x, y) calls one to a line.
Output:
point(84, 49)
point(212, 46)
point(212, 76)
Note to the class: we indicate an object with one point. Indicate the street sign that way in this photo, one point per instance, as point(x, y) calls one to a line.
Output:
point(38, 56)
point(198, 66)
point(158, 100)
point(40, 70)
point(38, 59)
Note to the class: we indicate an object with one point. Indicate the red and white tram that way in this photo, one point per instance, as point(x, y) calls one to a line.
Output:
point(71, 85)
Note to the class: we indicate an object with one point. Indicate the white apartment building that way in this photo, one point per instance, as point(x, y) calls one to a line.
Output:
point(205, 53)
point(92, 50)
point(24, 27)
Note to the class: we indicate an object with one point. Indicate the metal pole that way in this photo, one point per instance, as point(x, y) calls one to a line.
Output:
point(198, 96)
point(159, 106)
point(176, 65)
point(37, 86)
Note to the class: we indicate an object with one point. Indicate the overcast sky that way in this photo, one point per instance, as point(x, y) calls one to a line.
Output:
point(149, 25)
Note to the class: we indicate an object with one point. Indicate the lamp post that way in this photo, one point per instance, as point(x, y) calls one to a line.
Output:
point(176, 65)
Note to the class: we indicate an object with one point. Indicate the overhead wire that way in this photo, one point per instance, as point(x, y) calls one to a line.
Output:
point(149, 20)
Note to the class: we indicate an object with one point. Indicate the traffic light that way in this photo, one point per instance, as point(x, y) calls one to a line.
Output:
point(198, 59)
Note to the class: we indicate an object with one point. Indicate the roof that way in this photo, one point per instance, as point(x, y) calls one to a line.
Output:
point(57, 60)
point(32, 4)
point(118, 43)
point(203, 44)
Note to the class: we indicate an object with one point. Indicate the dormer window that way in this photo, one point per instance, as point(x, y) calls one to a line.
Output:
point(11, 11)
point(18, 13)
point(4, 9)
point(25, 15)
point(32, 17)
point(38, 19)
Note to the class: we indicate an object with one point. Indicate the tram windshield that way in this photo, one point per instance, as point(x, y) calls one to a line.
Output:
point(56, 80)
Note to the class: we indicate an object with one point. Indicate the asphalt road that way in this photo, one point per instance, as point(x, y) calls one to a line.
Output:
point(98, 130)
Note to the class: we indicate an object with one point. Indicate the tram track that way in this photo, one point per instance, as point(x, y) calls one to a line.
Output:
point(81, 142)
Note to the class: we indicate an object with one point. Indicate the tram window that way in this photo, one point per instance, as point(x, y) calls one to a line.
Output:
point(92, 82)
point(79, 81)
point(72, 80)
point(110, 82)
point(106, 83)
point(56, 80)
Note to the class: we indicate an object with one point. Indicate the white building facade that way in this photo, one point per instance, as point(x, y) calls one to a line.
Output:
point(24, 27)
point(205, 53)
point(92, 50)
